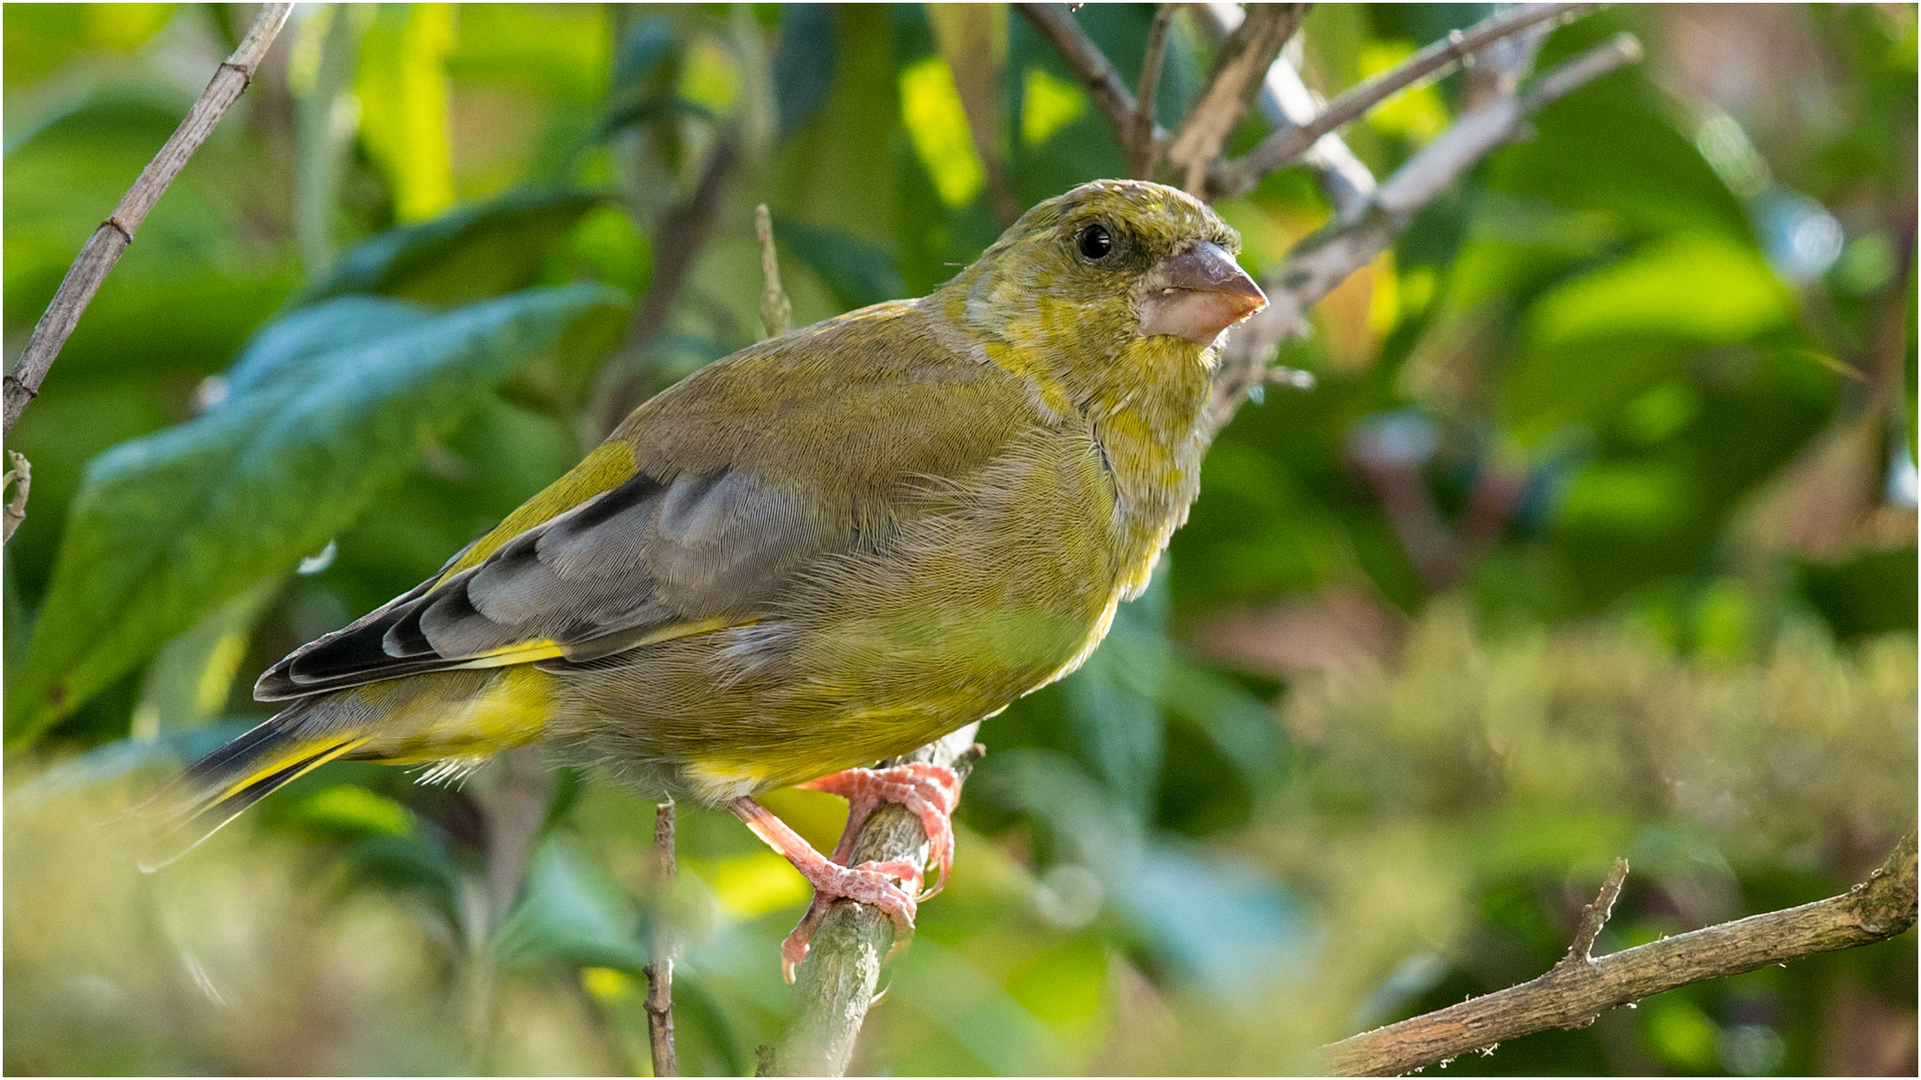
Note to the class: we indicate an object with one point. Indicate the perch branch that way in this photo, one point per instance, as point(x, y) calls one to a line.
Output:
point(836, 982)
point(1142, 150)
point(659, 1004)
point(108, 242)
point(1240, 66)
point(1281, 148)
point(1581, 987)
point(1323, 261)
point(776, 311)
point(21, 477)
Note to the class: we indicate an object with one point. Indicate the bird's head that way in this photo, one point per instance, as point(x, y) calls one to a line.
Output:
point(1094, 275)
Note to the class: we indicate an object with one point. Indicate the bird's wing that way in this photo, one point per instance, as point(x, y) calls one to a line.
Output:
point(691, 517)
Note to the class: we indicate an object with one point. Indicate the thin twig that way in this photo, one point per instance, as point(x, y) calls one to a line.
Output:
point(1281, 148)
point(659, 1004)
point(1323, 261)
point(1103, 83)
point(836, 982)
point(21, 477)
point(1240, 66)
point(1595, 916)
point(1141, 148)
point(104, 248)
point(776, 311)
point(1580, 988)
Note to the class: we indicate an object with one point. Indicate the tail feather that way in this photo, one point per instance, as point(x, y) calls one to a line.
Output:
point(218, 787)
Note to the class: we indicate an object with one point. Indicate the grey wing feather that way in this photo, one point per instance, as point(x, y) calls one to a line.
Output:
point(626, 565)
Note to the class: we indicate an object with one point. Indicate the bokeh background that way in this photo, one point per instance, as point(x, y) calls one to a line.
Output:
point(1596, 538)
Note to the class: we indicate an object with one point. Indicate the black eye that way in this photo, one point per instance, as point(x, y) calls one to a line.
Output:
point(1095, 242)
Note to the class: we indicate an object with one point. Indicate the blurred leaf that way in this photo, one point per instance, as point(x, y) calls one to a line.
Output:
point(932, 111)
point(324, 409)
point(572, 910)
point(804, 64)
point(475, 251)
point(189, 680)
point(403, 94)
point(858, 273)
point(1697, 288)
point(349, 811)
point(1873, 592)
point(1113, 701)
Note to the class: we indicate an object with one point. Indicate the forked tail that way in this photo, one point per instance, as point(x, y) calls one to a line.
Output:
point(218, 787)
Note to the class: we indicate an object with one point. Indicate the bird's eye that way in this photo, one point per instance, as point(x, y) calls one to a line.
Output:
point(1094, 242)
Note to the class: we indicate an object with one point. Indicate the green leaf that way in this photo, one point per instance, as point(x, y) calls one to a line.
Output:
point(475, 251)
point(324, 409)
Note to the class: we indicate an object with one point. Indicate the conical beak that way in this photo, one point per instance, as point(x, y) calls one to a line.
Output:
point(1199, 293)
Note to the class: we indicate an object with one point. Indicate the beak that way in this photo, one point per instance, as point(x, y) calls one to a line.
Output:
point(1199, 293)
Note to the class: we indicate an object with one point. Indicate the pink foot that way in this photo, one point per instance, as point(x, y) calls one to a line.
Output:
point(929, 791)
point(869, 883)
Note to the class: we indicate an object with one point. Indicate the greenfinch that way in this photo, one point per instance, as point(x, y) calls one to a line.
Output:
point(824, 550)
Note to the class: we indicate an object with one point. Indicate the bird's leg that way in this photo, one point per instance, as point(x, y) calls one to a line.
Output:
point(929, 791)
point(869, 883)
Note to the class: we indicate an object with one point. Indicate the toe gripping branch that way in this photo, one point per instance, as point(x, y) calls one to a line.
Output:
point(928, 791)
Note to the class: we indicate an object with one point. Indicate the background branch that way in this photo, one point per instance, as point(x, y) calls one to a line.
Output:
point(1580, 988)
point(1322, 262)
point(1097, 74)
point(1286, 102)
point(108, 242)
point(1142, 149)
point(1281, 148)
point(836, 983)
point(1240, 67)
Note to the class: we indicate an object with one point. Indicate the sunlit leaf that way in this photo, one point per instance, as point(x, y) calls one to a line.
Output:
point(323, 410)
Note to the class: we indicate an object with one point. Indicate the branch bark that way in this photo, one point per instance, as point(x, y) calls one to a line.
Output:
point(1142, 151)
point(108, 242)
point(1281, 148)
point(835, 984)
point(659, 1004)
point(1239, 69)
point(1581, 987)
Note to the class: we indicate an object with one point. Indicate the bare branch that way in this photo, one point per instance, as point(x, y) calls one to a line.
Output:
point(1281, 148)
point(776, 311)
point(1324, 261)
point(836, 982)
point(1286, 102)
point(659, 1004)
point(1096, 73)
point(21, 477)
point(1239, 69)
point(102, 250)
point(1580, 988)
point(1142, 149)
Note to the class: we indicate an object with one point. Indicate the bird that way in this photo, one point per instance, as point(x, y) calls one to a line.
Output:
point(821, 551)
